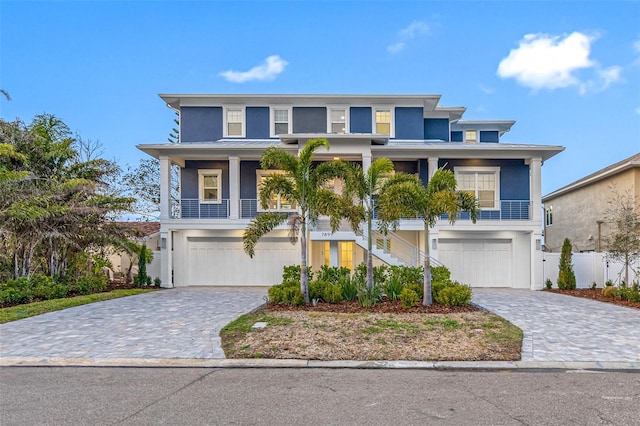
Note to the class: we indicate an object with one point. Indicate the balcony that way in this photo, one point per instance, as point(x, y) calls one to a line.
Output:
point(509, 210)
point(194, 209)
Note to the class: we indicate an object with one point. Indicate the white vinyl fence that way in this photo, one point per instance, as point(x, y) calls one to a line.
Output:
point(589, 268)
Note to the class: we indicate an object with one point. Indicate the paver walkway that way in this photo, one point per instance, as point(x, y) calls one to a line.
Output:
point(176, 323)
point(565, 328)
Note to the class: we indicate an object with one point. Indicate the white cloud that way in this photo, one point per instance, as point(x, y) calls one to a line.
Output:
point(486, 90)
point(397, 47)
point(267, 71)
point(414, 28)
point(548, 62)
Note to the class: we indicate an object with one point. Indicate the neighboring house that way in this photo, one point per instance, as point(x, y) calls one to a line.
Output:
point(223, 136)
point(578, 210)
point(147, 233)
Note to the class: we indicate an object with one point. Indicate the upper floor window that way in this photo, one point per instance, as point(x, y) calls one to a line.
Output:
point(280, 121)
point(338, 122)
point(277, 202)
point(383, 121)
point(210, 183)
point(548, 216)
point(471, 136)
point(234, 122)
point(481, 182)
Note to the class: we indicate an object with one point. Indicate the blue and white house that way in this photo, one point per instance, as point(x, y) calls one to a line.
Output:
point(223, 136)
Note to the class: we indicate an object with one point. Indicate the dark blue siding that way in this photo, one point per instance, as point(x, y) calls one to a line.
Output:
point(409, 123)
point(423, 171)
point(456, 136)
point(258, 126)
point(309, 120)
point(248, 186)
point(189, 190)
point(489, 136)
point(200, 124)
point(360, 119)
point(514, 175)
point(436, 128)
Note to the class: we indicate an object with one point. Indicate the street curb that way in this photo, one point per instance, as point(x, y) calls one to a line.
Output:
point(298, 363)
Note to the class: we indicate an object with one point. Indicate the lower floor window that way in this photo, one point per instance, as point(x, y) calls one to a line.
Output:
point(210, 182)
point(482, 183)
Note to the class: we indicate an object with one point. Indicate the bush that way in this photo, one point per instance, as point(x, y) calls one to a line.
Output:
point(409, 298)
point(548, 284)
point(440, 273)
point(455, 295)
point(629, 293)
point(438, 286)
point(332, 293)
point(405, 274)
point(16, 291)
point(610, 291)
point(369, 297)
point(317, 288)
point(332, 274)
point(287, 293)
point(418, 287)
point(349, 288)
point(393, 287)
point(88, 284)
point(566, 276)
point(292, 273)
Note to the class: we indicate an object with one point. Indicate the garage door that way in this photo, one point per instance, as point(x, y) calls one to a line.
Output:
point(480, 263)
point(223, 262)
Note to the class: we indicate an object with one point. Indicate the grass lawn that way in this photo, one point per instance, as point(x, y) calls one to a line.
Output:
point(30, 309)
point(459, 336)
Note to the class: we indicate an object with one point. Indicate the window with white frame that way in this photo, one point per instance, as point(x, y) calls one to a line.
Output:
point(338, 120)
point(471, 136)
point(548, 216)
point(277, 202)
point(210, 186)
point(383, 121)
point(280, 121)
point(234, 122)
point(481, 182)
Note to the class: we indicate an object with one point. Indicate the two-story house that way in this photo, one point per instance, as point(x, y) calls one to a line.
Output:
point(223, 136)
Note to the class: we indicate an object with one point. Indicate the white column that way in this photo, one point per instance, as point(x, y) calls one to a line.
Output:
point(165, 188)
point(537, 277)
point(433, 166)
point(166, 259)
point(366, 161)
point(535, 174)
point(234, 187)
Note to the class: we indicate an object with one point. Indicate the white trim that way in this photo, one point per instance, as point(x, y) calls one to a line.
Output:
point(484, 170)
point(272, 122)
point(225, 129)
point(464, 133)
point(392, 118)
point(259, 175)
point(347, 110)
point(209, 172)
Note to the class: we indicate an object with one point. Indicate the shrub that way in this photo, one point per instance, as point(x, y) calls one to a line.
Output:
point(157, 281)
point(405, 274)
point(440, 273)
point(610, 291)
point(287, 293)
point(438, 286)
point(608, 283)
point(292, 273)
point(369, 297)
point(418, 287)
point(393, 287)
point(548, 284)
point(332, 293)
point(317, 288)
point(455, 295)
point(409, 298)
point(89, 283)
point(349, 288)
point(332, 274)
point(566, 276)
point(629, 293)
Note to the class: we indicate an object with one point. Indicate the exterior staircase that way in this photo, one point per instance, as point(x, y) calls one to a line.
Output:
point(393, 249)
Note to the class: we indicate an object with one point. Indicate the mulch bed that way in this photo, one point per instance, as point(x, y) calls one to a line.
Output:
point(386, 306)
point(595, 294)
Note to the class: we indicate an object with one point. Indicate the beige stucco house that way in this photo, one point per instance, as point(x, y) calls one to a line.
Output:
point(578, 211)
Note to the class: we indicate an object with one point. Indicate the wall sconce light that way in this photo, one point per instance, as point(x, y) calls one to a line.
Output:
point(163, 243)
point(434, 244)
point(538, 244)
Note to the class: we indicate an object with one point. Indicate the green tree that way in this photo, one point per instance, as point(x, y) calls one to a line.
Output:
point(624, 243)
point(360, 189)
point(303, 184)
point(143, 183)
point(405, 196)
point(566, 276)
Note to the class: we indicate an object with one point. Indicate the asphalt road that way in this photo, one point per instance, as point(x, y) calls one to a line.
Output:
point(198, 396)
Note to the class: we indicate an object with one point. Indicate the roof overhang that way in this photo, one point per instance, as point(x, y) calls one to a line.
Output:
point(502, 126)
point(373, 139)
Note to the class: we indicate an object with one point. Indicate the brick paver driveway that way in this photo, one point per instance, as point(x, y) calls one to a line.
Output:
point(176, 323)
point(565, 328)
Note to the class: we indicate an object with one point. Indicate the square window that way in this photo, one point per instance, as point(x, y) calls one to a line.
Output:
point(280, 121)
point(210, 182)
point(234, 122)
point(471, 136)
point(338, 120)
point(482, 183)
point(383, 121)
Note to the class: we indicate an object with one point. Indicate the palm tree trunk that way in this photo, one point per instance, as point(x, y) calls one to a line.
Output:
point(427, 300)
point(304, 278)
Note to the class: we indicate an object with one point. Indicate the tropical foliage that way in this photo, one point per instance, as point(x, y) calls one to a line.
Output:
point(305, 184)
point(624, 242)
point(405, 196)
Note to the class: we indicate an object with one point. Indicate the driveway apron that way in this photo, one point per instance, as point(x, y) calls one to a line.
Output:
point(175, 323)
point(565, 328)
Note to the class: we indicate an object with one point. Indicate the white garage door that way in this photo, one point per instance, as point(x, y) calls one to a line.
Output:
point(223, 262)
point(480, 263)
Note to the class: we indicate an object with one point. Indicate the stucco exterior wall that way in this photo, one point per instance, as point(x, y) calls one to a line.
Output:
point(576, 213)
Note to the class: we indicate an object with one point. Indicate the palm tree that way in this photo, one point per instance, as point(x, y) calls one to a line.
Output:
point(361, 187)
point(405, 196)
point(304, 185)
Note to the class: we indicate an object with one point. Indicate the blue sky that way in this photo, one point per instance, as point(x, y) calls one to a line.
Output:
point(567, 72)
